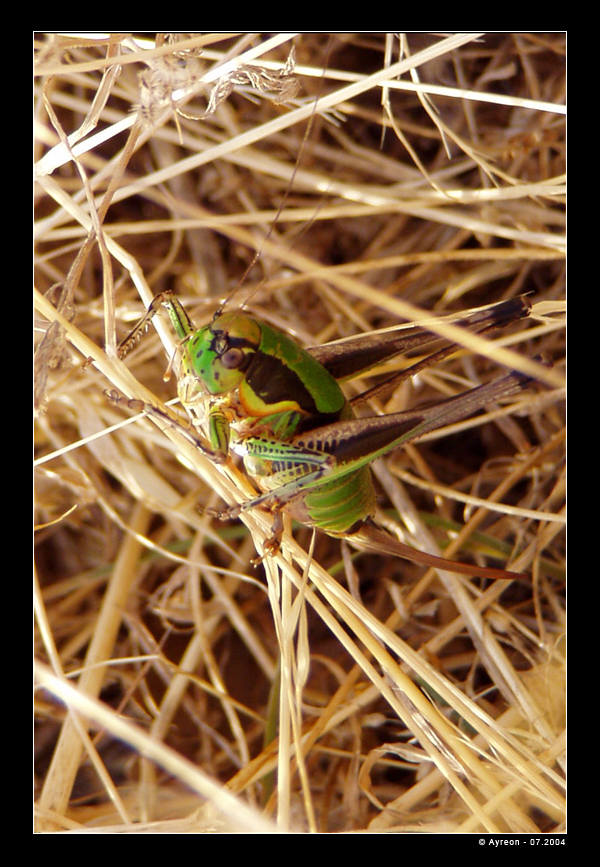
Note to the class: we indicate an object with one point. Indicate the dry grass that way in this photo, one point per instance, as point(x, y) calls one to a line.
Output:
point(409, 701)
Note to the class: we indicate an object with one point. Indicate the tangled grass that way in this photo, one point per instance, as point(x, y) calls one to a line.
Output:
point(336, 185)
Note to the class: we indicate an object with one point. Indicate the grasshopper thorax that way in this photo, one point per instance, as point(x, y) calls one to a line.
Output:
point(270, 373)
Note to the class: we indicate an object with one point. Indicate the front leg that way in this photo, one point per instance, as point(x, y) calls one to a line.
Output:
point(216, 449)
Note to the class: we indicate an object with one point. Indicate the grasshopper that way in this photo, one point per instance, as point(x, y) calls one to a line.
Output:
point(281, 407)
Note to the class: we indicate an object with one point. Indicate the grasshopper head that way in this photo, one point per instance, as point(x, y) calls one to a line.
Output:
point(217, 356)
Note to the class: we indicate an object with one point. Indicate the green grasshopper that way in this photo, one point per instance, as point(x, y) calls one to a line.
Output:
point(283, 410)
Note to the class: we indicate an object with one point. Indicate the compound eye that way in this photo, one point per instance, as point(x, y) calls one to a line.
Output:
point(233, 359)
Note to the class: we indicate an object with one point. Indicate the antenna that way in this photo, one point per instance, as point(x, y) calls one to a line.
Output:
point(286, 195)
